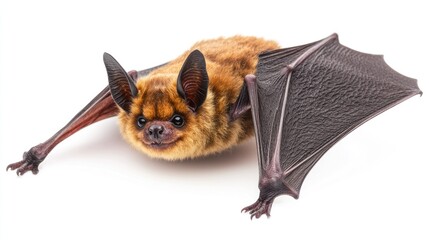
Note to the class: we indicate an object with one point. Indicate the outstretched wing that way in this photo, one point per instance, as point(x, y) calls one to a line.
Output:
point(310, 97)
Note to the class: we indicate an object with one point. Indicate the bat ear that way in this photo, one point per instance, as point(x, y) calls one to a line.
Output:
point(121, 84)
point(193, 81)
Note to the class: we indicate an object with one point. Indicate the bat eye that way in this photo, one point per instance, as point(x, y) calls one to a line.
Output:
point(177, 121)
point(141, 121)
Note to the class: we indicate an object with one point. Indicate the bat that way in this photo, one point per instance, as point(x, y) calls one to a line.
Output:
point(298, 102)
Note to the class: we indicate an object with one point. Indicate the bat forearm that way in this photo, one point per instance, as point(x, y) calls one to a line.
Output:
point(101, 107)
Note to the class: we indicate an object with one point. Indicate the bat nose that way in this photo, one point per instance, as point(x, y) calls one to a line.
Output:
point(155, 131)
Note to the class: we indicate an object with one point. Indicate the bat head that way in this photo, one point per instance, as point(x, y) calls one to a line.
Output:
point(163, 114)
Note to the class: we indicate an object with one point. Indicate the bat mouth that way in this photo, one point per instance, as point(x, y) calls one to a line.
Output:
point(159, 145)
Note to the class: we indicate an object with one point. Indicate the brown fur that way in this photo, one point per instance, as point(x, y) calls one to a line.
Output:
point(209, 130)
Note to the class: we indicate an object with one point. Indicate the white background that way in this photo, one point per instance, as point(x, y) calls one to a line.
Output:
point(371, 185)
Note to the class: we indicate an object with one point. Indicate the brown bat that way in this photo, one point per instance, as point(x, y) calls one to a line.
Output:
point(302, 101)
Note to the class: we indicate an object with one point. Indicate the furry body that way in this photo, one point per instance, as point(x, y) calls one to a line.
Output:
point(209, 129)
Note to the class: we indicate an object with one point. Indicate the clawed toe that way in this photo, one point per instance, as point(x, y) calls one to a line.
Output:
point(30, 163)
point(259, 208)
point(23, 166)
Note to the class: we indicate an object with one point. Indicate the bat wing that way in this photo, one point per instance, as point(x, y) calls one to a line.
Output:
point(101, 107)
point(305, 99)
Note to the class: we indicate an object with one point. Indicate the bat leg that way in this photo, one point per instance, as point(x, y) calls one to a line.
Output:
point(101, 107)
point(271, 175)
point(271, 186)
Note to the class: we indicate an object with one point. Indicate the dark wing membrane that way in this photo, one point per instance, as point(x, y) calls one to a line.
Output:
point(335, 90)
point(271, 82)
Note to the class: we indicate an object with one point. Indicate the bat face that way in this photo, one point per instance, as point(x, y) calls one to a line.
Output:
point(160, 123)
point(166, 114)
point(158, 118)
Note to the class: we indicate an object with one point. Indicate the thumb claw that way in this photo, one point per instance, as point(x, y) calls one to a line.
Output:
point(31, 162)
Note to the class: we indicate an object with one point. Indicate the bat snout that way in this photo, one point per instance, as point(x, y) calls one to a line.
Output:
point(155, 132)
point(159, 134)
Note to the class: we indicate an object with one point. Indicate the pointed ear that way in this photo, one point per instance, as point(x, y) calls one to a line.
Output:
point(121, 84)
point(193, 80)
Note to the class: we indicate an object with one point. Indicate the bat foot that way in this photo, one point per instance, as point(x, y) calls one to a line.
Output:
point(271, 186)
point(259, 208)
point(30, 162)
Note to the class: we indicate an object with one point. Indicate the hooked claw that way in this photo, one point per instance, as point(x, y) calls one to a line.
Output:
point(259, 208)
point(30, 162)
